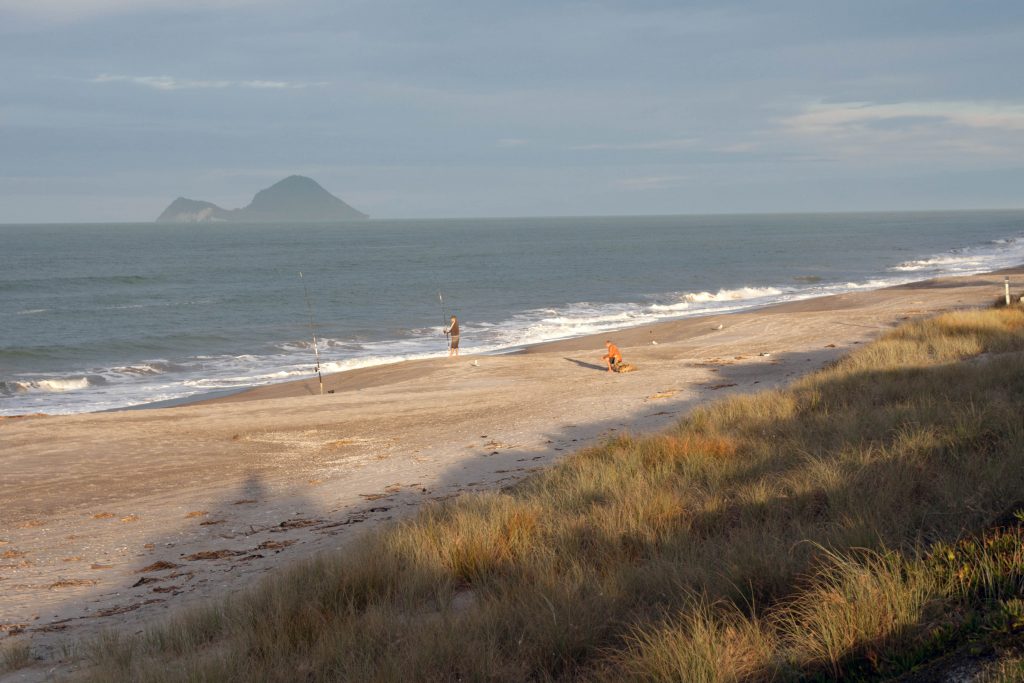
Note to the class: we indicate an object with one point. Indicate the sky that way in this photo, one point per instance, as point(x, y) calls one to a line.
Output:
point(109, 109)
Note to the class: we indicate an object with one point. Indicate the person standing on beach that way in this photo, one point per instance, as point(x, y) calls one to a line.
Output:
point(613, 358)
point(453, 330)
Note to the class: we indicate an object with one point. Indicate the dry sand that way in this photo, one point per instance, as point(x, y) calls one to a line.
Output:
point(110, 520)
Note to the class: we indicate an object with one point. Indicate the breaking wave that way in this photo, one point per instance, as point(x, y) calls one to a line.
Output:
point(55, 385)
point(722, 295)
point(994, 255)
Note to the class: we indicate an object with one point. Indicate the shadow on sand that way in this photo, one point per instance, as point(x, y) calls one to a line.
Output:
point(589, 366)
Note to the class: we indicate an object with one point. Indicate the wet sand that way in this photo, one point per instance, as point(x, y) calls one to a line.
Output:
point(109, 520)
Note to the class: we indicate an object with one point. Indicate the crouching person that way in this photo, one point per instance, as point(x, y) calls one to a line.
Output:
point(613, 359)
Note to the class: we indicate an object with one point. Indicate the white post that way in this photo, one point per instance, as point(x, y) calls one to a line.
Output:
point(1007, 284)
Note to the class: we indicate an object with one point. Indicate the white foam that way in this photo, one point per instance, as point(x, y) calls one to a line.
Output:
point(588, 319)
point(996, 254)
point(684, 302)
point(937, 263)
point(148, 368)
point(49, 385)
point(732, 294)
point(680, 307)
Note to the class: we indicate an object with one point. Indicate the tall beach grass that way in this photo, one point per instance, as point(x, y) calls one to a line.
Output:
point(841, 526)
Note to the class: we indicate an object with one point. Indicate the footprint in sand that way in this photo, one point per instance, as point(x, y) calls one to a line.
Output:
point(213, 555)
point(668, 393)
point(148, 579)
point(274, 545)
point(297, 524)
point(72, 583)
point(127, 608)
point(158, 566)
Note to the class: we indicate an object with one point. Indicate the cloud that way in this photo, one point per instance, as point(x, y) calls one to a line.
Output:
point(947, 132)
point(172, 83)
point(67, 10)
point(676, 143)
point(512, 142)
point(831, 119)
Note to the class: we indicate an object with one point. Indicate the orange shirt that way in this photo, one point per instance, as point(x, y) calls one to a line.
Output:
point(613, 352)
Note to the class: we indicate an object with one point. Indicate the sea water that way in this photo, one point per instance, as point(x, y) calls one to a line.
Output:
point(95, 317)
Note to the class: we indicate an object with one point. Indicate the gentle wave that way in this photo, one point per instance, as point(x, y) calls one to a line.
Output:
point(77, 281)
point(151, 368)
point(57, 385)
point(739, 294)
point(939, 263)
point(733, 294)
point(996, 254)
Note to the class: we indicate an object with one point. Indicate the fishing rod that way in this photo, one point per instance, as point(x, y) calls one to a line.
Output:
point(312, 330)
point(444, 315)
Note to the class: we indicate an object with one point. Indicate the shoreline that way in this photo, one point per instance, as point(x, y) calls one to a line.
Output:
point(116, 518)
point(205, 396)
point(692, 325)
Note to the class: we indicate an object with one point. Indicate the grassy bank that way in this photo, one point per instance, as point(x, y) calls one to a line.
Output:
point(857, 523)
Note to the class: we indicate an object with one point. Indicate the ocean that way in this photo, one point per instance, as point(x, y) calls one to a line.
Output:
point(98, 317)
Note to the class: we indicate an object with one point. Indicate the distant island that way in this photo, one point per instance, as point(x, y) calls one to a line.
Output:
point(296, 199)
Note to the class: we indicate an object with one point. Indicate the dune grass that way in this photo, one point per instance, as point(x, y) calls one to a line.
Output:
point(15, 654)
point(837, 527)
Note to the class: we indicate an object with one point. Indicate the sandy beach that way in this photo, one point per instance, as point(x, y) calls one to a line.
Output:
point(112, 519)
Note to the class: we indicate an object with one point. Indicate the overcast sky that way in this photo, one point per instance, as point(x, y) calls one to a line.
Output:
point(109, 109)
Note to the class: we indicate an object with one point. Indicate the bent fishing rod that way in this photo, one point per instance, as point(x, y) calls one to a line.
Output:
point(312, 331)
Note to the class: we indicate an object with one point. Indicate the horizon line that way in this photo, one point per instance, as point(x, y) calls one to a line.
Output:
point(539, 216)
